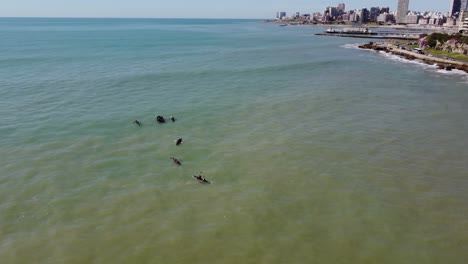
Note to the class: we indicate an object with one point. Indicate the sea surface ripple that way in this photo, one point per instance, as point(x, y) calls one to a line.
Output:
point(316, 152)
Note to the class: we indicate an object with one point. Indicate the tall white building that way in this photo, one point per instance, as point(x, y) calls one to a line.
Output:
point(402, 11)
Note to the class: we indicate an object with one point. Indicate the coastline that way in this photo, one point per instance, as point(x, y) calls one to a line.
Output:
point(443, 29)
point(368, 36)
point(410, 55)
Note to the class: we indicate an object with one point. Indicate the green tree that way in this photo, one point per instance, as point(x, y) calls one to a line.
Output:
point(437, 37)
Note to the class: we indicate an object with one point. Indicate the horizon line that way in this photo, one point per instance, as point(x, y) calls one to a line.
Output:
point(78, 17)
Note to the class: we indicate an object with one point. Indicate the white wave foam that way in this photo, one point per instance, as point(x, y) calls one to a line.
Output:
point(416, 62)
point(421, 64)
point(453, 72)
point(351, 46)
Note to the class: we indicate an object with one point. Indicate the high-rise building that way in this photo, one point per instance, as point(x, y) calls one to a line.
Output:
point(384, 10)
point(331, 12)
point(464, 22)
point(341, 7)
point(458, 6)
point(374, 13)
point(463, 6)
point(280, 15)
point(345, 17)
point(402, 11)
point(364, 15)
point(411, 19)
point(385, 18)
point(455, 7)
point(352, 16)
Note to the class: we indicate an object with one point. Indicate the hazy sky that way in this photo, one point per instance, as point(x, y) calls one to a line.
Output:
point(191, 8)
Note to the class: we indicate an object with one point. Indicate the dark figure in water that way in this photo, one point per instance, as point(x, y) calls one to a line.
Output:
point(160, 119)
point(201, 179)
point(172, 118)
point(176, 161)
point(179, 141)
point(136, 122)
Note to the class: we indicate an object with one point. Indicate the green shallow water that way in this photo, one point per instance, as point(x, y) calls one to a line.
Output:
point(317, 152)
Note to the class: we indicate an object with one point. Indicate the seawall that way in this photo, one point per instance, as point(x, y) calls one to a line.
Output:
point(369, 36)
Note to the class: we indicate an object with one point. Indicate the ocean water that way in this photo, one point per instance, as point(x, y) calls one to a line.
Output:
point(317, 152)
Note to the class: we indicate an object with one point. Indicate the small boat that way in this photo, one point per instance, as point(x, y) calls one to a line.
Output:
point(200, 179)
point(283, 25)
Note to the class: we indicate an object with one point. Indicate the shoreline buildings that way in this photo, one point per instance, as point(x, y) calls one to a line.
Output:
point(384, 16)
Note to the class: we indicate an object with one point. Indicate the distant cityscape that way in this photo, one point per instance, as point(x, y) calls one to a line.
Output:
point(457, 17)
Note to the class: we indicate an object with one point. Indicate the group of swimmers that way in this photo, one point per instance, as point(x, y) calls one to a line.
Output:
point(160, 120)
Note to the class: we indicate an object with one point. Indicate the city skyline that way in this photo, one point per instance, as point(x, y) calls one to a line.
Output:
point(192, 9)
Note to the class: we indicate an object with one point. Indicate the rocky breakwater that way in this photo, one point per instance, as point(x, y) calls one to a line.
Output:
point(411, 55)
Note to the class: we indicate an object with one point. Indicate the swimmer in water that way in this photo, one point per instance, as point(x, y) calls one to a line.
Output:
point(176, 161)
point(201, 179)
point(160, 119)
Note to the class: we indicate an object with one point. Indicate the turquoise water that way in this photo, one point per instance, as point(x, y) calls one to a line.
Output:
point(317, 152)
